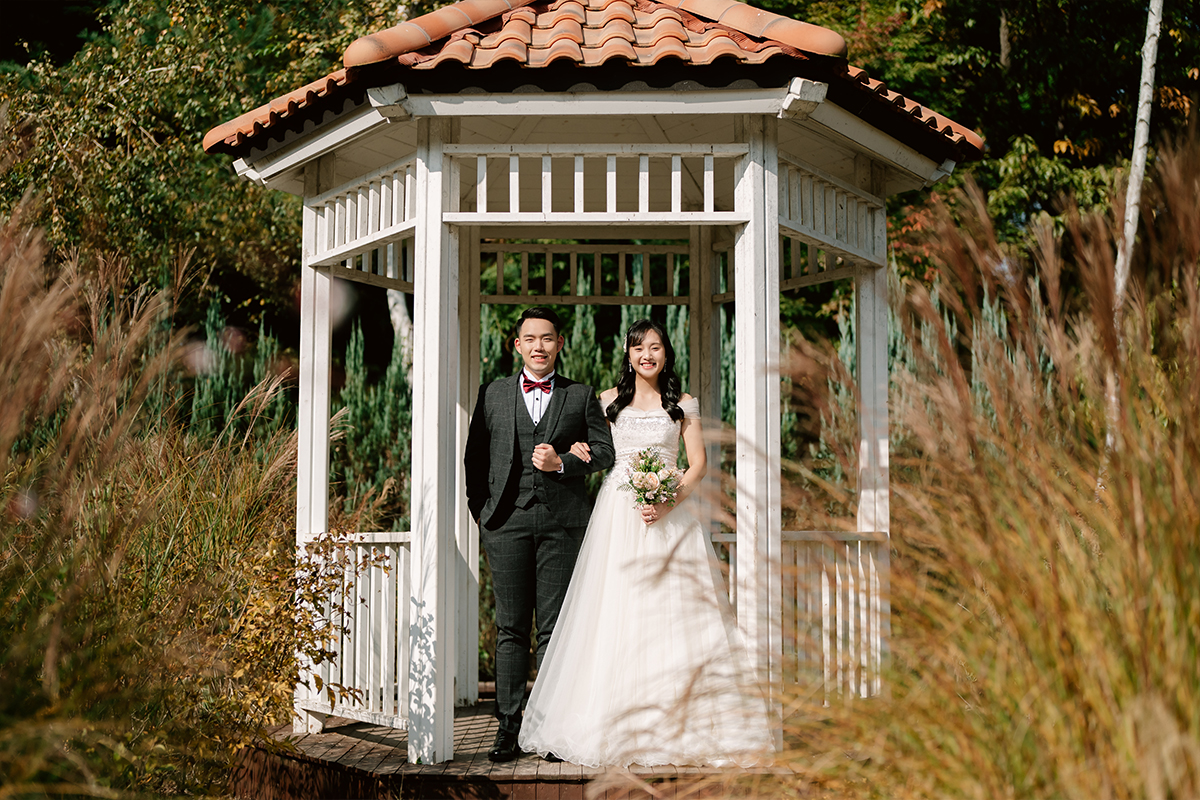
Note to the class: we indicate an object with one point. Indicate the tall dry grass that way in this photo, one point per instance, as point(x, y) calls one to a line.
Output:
point(147, 618)
point(1045, 589)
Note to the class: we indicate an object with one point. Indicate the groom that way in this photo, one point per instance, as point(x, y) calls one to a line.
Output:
point(526, 491)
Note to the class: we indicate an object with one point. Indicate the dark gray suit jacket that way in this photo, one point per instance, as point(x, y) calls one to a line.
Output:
point(573, 415)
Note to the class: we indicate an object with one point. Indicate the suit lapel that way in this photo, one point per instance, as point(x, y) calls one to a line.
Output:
point(558, 399)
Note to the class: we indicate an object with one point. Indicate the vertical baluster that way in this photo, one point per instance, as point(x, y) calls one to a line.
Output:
point(597, 263)
point(840, 232)
point(827, 620)
point(339, 225)
point(676, 184)
point(646, 276)
point(514, 184)
point(709, 191)
point(397, 181)
point(525, 272)
point(783, 200)
point(387, 645)
point(374, 224)
point(671, 265)
point(796, 206)
point(386, 220)
point(818, 209)
point(362, 666)
point(547, 186)
point(501, 256)
point(549, 274)
point(797, 264)
point(806, 201)
point(610, 174)
point(324, 229)
point(578, 185)
point(410, 180)
point(481, 187)
point(621, 274)
point(788, 582)
point(364, 212)
point(573, 288)
point(643, 184)
point(864, 227)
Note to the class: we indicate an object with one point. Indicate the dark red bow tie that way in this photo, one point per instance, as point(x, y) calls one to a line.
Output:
point(545, 385)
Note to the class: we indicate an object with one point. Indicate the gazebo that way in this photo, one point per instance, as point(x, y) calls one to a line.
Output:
point(465, 139)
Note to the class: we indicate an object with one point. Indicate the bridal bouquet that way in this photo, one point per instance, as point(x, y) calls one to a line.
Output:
point(651, 480)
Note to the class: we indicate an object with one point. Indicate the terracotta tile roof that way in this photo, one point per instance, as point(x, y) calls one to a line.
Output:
point(539, 34)
point(642, 32)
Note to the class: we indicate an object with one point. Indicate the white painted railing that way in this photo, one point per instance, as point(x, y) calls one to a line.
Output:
point(832, 226)
point(551, 273)
point(586, 188)
point(368, 673)
point(362, 227)
point(835, 612)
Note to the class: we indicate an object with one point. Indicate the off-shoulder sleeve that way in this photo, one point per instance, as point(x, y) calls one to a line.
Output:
point(690, 408)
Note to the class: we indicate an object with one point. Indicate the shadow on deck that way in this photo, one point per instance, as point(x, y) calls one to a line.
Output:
point(358, 760)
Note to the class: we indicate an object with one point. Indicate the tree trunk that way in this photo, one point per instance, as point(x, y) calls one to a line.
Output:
point(1133, 201)
point(1141, 142)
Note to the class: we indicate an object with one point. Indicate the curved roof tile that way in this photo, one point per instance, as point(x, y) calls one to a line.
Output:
point(479, 34)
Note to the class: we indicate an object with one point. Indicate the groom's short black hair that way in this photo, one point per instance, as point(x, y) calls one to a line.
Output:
point(539, 312)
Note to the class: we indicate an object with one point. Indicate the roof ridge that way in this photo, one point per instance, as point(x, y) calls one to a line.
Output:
point(426, 29)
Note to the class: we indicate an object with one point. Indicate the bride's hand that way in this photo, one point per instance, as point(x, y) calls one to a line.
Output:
point(652, 514)
point(582, 451)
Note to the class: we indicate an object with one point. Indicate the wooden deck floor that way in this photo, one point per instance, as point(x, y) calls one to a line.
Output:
point(358, 760)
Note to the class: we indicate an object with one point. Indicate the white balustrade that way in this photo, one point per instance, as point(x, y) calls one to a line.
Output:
point(368, 673)
point(654, 203)
point(831, 226)
point(364, 229)
point(834, 592)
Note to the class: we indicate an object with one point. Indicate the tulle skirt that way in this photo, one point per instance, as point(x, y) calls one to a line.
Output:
point(646, 665)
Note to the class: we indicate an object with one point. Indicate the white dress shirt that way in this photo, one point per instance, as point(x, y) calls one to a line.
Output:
point(537, 401)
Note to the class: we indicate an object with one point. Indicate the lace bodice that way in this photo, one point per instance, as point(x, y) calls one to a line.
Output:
point(635, 430)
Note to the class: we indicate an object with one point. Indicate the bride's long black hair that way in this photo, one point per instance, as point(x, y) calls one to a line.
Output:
point(668, 381)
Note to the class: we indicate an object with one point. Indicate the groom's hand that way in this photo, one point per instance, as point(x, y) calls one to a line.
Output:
point(545, 459)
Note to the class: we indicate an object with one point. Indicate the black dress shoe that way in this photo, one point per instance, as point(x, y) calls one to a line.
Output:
point(505, 748)
point(553, 759)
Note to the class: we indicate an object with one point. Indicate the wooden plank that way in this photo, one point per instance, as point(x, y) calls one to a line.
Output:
point(345, 252)
point(541, 247)
point(676, 184)
point(578, 174)
point(514, 185)
point(643, 184)
point(841, 273)
point(481, 184)
point(609, 217)
point(358, 276)
point(610, 175)
point(610, 150)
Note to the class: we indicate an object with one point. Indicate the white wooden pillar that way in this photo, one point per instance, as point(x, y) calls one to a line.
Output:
point(312, 461)
point(756, 284)
point(466, 683)
point(871, 344)
point(435, 456)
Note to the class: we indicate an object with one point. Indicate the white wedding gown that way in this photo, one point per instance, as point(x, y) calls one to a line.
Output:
point(646, 664)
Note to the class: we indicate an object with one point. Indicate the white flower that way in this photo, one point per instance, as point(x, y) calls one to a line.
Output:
point(651, 480)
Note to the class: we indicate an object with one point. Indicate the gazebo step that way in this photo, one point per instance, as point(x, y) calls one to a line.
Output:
point(358, 760)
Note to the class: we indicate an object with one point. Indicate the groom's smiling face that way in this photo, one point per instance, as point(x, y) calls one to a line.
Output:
point(539, 344)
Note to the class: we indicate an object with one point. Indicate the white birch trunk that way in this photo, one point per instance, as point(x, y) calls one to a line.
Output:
point(1141, 142)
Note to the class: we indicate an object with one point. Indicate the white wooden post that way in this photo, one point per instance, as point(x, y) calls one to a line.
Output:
point(466, 683)
point(435, 456)
point(756, 283)
point(871, 309)
point(312, 465)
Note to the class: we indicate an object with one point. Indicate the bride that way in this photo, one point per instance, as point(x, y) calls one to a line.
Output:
point(646, 666)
